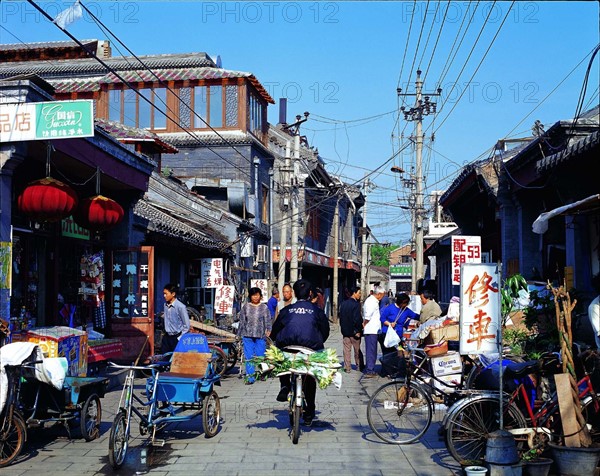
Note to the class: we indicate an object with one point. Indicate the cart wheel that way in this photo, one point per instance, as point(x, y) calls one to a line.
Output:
point(12, 442)
point(220, 362)
point(211, 414)
point(90, 418)
point(232, 357)
point(118, 441)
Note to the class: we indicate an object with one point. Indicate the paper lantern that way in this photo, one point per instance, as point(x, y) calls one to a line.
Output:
point(98, 213)
point(47, 199)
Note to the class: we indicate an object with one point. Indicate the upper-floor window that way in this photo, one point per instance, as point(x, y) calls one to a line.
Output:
point(212, 106)
point(255, 115)
point(145, 108)
point(265, 204)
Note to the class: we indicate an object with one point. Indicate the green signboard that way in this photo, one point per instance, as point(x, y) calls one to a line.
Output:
point(400, 270)
point(46, 120)
point(73, 230)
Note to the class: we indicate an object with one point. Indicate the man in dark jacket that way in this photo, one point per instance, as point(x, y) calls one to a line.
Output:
point(351, 328)
point(303, 324)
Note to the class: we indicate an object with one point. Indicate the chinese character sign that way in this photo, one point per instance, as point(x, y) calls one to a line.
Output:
point(46, 120)
point(465, 249)
point(224, 300)
point(212, 272)
point(479, 308)
point(130, 275)
point(263, 285)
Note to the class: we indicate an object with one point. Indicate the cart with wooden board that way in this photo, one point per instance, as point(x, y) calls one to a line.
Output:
point(225, 345)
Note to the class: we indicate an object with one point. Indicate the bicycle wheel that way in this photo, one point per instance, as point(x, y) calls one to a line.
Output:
point(118, 440)
point(232, 357)
point(13, 440)
point(220, 362)
point(469, 428)
point(295, 411)
point(90, 418)
point(211, 414)
point(399, 414)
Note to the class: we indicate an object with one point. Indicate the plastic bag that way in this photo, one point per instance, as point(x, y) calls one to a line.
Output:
point(391, 338)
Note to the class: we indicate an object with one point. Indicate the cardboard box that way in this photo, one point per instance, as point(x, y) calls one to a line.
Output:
point(451, 380)
point(449, 332)
point(65, 342)
point(447, 364)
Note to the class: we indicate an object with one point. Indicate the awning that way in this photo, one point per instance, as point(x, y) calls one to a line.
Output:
point(587, 205)
point(170, 226)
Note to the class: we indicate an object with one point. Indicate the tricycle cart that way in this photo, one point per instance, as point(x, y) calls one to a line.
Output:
point(32, 403)
point(181, 394)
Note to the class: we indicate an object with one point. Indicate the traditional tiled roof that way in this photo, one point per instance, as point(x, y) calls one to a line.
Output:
point(88, 73)
point(44, 44)
point(579, 147)
point(91, 66)
point(133, 134)
point(163, 223)
point(183, 139)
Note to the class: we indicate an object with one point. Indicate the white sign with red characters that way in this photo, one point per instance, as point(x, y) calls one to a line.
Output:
point(263, 285)
point(479, 308)
point(465, 249)
point(212, 272)
point(224, 300)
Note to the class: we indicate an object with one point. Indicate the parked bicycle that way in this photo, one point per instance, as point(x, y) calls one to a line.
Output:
point(469, 422)
point(401, 411)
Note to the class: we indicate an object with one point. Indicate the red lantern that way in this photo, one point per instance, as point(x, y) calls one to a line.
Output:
point(47, 199)
point(98, 213)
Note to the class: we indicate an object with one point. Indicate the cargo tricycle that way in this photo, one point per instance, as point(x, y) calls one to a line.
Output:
point(180, 394)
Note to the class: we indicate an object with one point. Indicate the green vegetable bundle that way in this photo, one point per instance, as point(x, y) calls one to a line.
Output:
point(322, 365)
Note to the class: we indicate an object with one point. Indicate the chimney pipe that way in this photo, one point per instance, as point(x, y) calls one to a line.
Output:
point(282, 110)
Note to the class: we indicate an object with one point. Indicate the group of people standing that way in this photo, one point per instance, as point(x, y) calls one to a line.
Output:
point(372, 322)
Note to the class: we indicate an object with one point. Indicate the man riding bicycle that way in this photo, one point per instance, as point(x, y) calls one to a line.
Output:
point(306, 325)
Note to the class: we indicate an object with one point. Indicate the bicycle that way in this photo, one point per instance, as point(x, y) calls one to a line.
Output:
point(296, 397)
point(401, 411)
point(469, 422)
point(13, 430)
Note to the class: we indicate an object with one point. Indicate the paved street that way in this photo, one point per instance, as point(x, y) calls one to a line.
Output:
point(253, 439)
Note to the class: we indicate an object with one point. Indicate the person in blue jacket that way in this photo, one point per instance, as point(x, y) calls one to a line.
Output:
point(397, 315)
point(306, 325)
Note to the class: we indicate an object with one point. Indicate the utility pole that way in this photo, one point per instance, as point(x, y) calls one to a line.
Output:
point(285, 179)
point(295, 130)
point(365, 248)
point(423, 107)
point(336, 252)
point(295, 224)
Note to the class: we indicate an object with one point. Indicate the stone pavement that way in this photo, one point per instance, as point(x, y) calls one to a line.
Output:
point(253, 439)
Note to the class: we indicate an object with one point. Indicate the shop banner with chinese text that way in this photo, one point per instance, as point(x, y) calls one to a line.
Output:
point(479, 308)
point(465, 249)
point(46, 120)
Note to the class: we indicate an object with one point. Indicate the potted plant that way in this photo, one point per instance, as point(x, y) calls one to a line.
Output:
point(534, 464)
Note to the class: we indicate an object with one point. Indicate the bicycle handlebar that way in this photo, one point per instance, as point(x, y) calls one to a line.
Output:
point(130, 367)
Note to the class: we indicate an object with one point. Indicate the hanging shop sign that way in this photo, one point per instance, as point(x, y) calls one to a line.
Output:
point(263, 285)
point(465, 249)
point(47, 199)
point(130, 283)
point(224, 300)
point(46, 120)
point(71, 229)
point(400, 270)
point(98, 213)
point(479, 308)
point(212, 272)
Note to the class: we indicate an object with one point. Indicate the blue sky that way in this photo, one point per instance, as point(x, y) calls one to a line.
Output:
point(342, 62)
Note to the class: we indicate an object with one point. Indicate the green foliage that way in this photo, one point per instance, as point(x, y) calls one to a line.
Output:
point(380, 255)
point(516, 338)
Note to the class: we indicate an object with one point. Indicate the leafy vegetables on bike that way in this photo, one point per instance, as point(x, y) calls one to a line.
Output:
point(322, 365)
